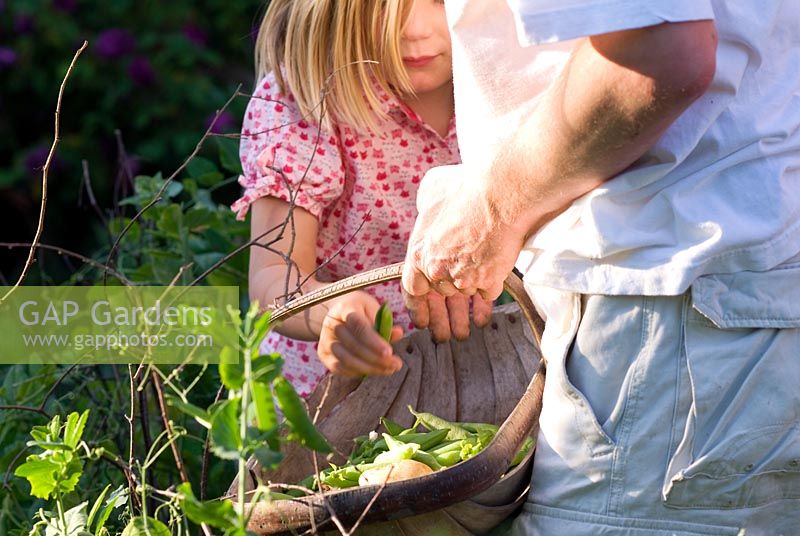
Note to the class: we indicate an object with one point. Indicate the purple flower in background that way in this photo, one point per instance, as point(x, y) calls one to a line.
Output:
point(195, 34)
point(23, 23)
point(130, 166)
point(7, 57)
point(65, 5)
point(37, 158)
point(141, 71)
point(225, 122)
point(114, 43)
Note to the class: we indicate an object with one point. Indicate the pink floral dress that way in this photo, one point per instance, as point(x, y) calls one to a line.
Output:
point(361, 187)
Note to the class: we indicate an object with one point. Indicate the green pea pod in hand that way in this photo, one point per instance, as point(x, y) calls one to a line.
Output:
point(295, 413)
point(384, 322)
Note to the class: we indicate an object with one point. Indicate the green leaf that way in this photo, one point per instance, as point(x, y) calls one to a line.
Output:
point(210, 179)
point(200, 166)
point(218, 278)
point(266, 367)
point(267, 457)
point(171, 220)
point(266, 416)
point(41, 474)
point(75, 519)
point(229, 154)
point(297, 417)
point(55, 427)
point(198, 216)
point(140, 526)
point(218, 513)
point(96, 506)
point(231, 369)
point(199, 414)
point(225, 440)
point(73, 430)
point(260, 328)
point(173, 189)
point(392, 427)
point(118, 497)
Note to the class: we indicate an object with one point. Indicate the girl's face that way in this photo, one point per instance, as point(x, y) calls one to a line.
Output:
point(425, 45)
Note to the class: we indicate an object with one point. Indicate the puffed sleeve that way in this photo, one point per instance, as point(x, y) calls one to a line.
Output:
point(284, 154)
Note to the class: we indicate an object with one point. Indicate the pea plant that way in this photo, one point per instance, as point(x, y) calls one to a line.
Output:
point(245, 424)
point(145, 449)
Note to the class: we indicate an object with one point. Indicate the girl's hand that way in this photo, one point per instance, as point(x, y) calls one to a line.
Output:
point(348, 342)
point(448, 317)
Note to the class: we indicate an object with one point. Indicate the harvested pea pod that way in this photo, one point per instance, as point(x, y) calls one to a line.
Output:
point(384, 322)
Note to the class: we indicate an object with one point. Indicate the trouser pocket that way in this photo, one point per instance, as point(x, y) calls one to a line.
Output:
point(740, 443)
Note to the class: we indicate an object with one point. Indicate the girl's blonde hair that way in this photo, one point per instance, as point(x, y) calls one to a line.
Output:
point(333, 52)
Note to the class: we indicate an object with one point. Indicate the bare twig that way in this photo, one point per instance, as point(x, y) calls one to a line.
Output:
point(40, 411)
point(66, 252)
point(124, 178)
point(56, 384)
point(371, 502)
point(7, 477)
point(86, 185)
point(168, 427)
point(45, 170)
point(144, 420)
point(207, 453)
point(130, 419)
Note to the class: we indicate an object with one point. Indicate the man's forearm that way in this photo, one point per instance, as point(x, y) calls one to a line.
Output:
point(616, 96)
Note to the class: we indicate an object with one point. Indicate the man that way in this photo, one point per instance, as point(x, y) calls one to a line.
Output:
point(639, 162)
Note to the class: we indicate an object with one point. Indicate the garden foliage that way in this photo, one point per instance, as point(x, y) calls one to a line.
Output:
point(103, 449)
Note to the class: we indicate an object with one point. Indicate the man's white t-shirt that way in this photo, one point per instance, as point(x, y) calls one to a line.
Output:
point(718, 193)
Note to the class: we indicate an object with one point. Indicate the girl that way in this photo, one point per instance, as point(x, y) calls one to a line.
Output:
point(381, 71)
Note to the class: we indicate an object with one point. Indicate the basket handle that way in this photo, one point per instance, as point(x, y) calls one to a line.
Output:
point(513, 285)
point(403, 498)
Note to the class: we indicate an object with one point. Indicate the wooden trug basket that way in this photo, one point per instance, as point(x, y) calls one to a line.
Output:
point(496, 376)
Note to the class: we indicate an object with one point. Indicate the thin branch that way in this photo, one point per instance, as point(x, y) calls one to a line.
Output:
point(168, 427)
point(371, 502)
point(40, 411)
point(144, 420)
point(124, 179)
point(130, 419)
point(236, 251)
point(66, 252)
point(86, 185)
point(207, 453)
point(56, 384)
point(7, 477)
point(45, 170)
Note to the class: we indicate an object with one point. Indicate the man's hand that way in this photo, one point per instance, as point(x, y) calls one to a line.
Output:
point(348, 342)
point(448, 317)
point(459, 243)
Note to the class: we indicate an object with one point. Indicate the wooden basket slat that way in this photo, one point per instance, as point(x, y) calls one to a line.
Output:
point(508, 372)
point(408, 394)
point(476, 395)
point(439, 393)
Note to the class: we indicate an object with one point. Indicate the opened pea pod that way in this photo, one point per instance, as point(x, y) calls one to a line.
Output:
point(430, 444)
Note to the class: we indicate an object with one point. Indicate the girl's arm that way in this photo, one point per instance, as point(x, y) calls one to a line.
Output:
point(348, 344)
point(269, 267)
